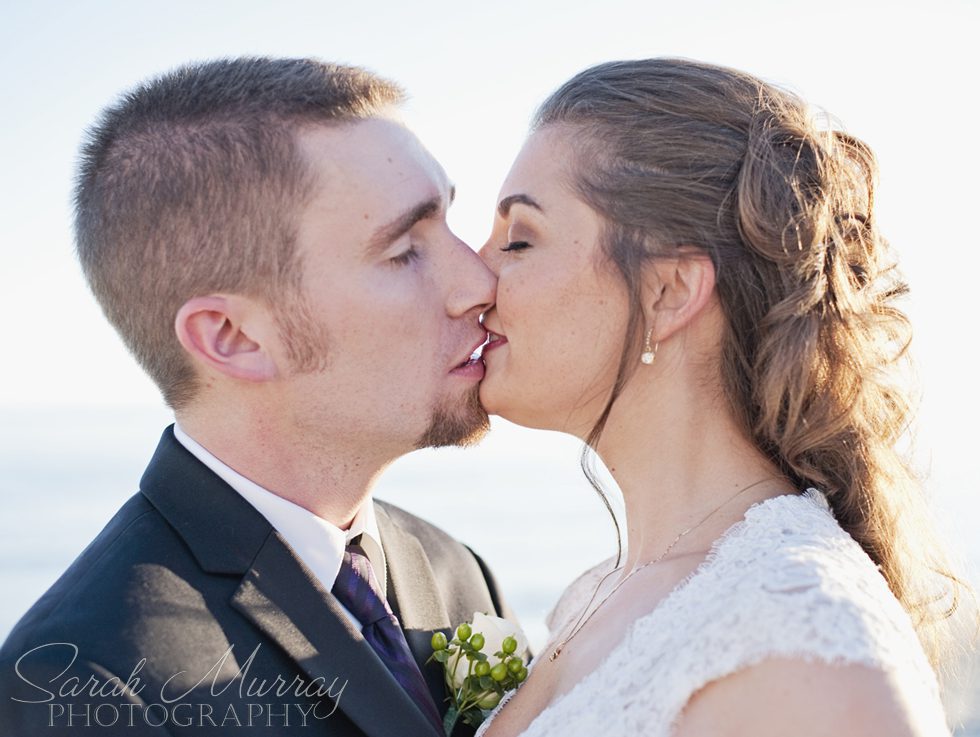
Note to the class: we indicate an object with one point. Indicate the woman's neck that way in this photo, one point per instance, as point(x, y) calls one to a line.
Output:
point(679, 456)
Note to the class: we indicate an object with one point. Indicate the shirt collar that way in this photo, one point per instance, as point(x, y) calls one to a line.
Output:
point(318, 543)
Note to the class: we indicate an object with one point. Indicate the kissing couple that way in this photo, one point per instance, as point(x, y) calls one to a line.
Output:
point(685, 271)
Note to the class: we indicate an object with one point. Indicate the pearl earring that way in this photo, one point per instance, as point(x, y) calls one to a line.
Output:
point(649, 353)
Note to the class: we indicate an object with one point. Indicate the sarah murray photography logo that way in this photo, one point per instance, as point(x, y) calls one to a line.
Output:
point(225, 695)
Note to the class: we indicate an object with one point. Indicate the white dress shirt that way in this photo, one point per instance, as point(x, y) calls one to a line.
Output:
point(316, 542)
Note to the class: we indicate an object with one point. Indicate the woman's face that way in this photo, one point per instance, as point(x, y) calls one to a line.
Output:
point(561, 310)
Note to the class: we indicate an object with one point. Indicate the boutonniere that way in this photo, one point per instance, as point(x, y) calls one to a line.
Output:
point(484, 660)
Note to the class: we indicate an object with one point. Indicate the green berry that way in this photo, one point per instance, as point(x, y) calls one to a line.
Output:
point(521, 675)
point(482, 668)
point(477, 641)
point(514, 666)
point(509, 645)
point(498, 672)
point(464, 631)
point(439, 641)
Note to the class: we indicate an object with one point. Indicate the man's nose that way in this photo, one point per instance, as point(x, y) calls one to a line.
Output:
point(474, 285)
point(488, 255)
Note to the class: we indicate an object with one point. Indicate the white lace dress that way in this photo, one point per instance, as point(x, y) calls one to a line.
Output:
point(786, 581)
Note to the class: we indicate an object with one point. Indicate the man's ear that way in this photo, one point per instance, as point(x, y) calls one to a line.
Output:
point(676, 290)
point(224, 334)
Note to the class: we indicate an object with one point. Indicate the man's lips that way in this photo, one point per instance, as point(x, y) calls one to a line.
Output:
point(473, 356)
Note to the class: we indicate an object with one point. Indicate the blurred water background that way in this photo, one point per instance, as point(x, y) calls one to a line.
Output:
point(519, 499)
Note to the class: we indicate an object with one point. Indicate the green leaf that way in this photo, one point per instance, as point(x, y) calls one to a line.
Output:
point(486, 683)
point(441, 655)
point(474, 717)
point(449, 721)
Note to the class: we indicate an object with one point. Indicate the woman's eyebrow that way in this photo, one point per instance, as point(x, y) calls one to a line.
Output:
point(503, 209)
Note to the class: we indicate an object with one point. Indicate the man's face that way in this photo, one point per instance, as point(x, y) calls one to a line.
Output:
point(394, 294)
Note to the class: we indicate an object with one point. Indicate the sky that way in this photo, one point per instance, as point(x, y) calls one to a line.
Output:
point(896, 74)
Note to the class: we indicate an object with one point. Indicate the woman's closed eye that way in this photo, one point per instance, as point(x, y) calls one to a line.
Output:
point(406, 257)
point(516, 246)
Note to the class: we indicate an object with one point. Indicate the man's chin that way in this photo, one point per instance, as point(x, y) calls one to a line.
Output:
point(462, 424)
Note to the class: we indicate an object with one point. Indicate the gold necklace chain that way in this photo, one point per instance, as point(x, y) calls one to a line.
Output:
point(577, 627)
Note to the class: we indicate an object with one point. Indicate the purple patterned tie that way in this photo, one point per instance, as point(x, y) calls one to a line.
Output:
point(358, 590)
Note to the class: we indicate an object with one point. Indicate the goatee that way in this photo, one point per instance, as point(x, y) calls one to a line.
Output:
point(461, 425)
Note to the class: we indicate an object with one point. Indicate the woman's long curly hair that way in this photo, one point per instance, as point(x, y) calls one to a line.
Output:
point(673, 152)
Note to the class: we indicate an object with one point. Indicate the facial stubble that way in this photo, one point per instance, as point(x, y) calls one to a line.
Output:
point(461, 424)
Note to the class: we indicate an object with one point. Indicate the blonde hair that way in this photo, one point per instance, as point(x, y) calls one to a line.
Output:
point(674, 152)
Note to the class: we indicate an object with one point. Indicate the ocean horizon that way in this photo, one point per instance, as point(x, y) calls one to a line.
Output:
point(519, 499)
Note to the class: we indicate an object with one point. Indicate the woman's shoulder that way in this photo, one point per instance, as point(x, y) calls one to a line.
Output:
point(792, 544)
point(789, 586)
point(790, 582)
point(788, 558)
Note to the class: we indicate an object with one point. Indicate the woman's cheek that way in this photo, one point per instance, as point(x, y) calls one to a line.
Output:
point(512, 303)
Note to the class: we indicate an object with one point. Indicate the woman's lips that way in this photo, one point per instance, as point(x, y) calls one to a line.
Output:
point(496, 340)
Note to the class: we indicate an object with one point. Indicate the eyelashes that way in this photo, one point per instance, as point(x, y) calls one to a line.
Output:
point(405, 258)
point(516, 246)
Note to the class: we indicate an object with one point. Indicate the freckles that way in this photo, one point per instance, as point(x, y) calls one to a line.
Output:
point(509, 291)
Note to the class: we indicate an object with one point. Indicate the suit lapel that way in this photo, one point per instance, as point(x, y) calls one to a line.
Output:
point(413, 595)
point(277, 593)
point(282, 598)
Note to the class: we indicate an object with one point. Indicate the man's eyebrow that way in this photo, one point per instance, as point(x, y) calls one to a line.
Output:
point(392, 231)
point(503, 209)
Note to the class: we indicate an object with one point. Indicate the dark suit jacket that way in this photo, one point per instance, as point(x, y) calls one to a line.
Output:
point(191, 598)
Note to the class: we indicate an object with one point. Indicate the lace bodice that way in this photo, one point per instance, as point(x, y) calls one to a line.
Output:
point(786, 581)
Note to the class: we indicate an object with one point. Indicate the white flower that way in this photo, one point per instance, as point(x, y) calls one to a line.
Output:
point(494, 630)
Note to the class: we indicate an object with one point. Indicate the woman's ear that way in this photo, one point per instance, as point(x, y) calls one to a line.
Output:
point(676, 290)
point(219, 332)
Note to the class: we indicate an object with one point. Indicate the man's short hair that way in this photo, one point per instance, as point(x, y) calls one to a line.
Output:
point(191, 184)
